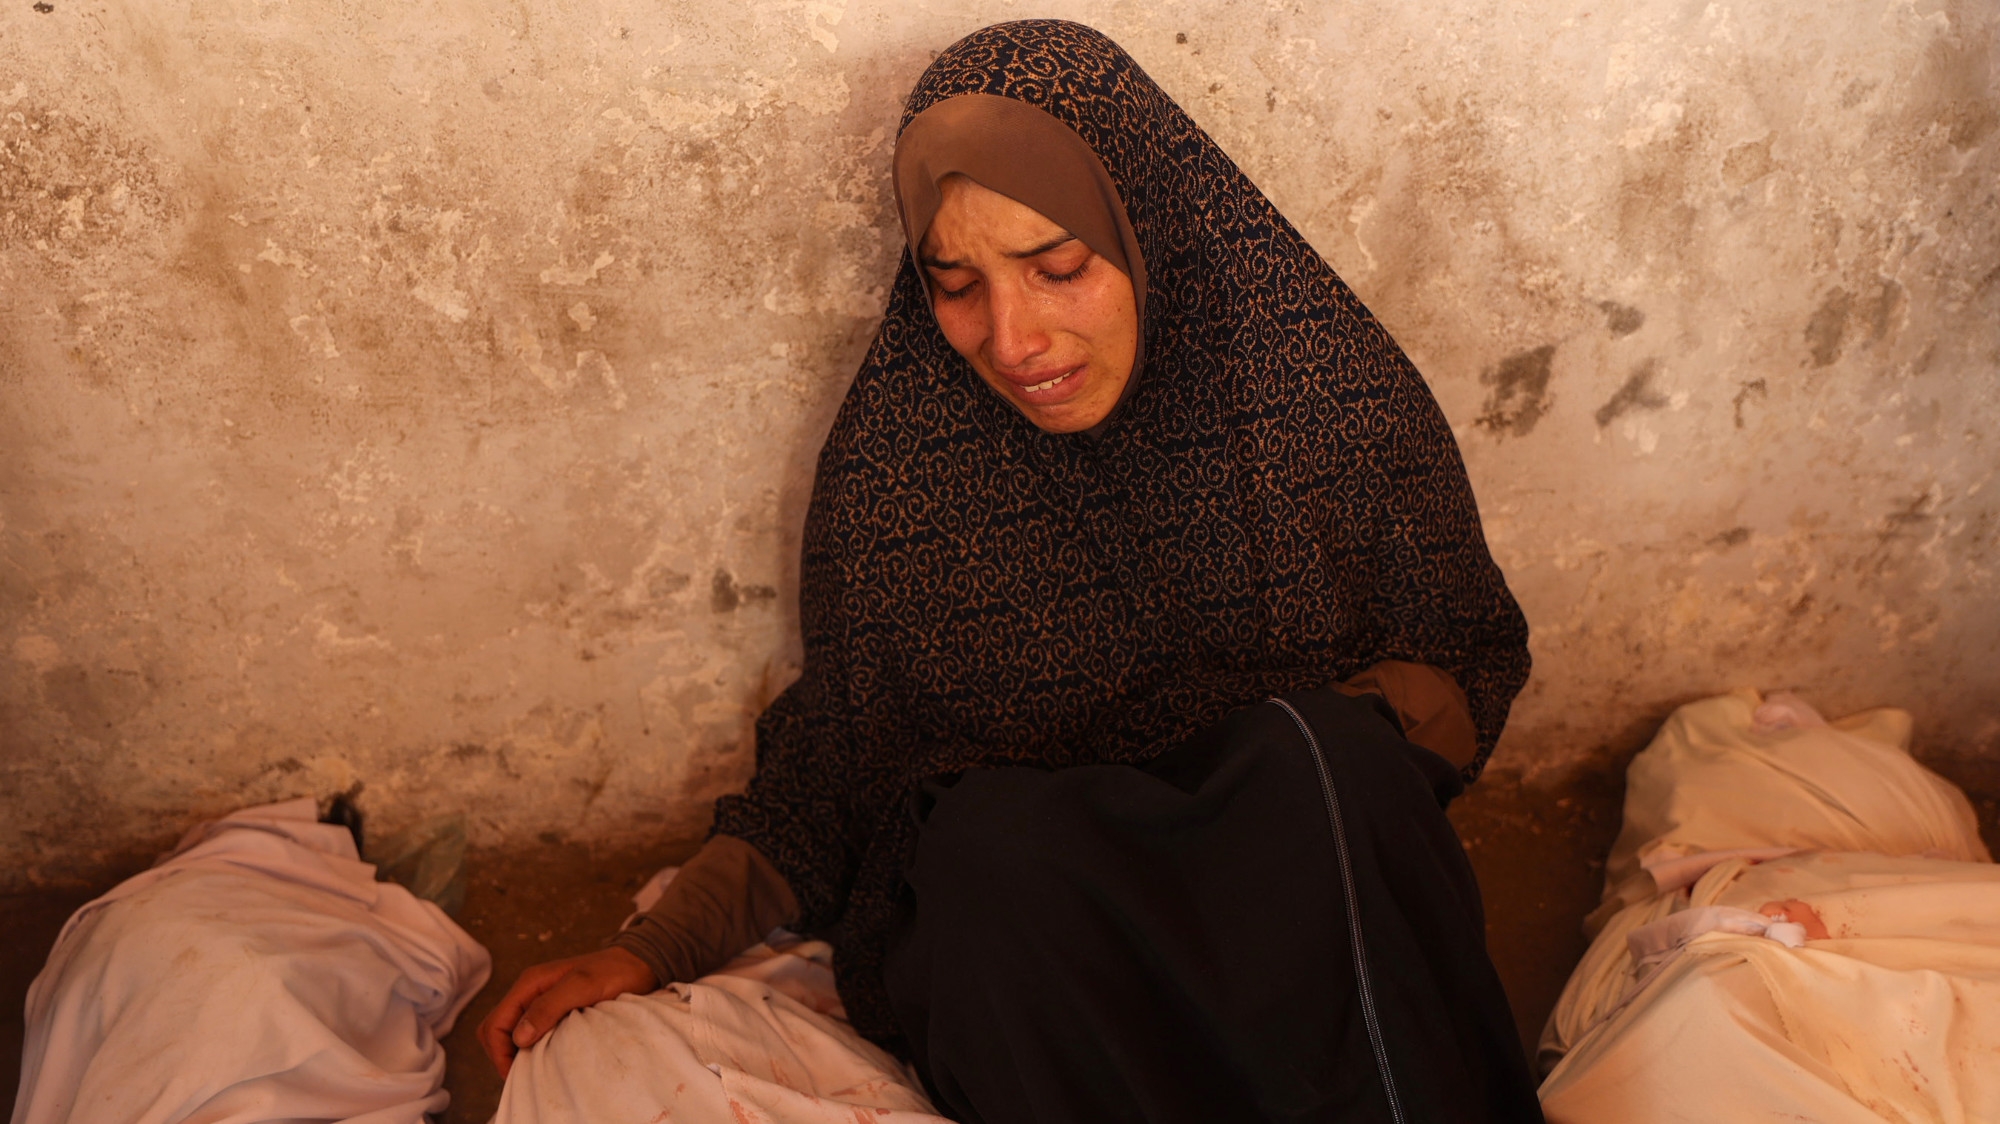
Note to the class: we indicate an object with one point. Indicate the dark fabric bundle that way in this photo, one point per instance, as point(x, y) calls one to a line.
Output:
point(1277, 506)
point(1178, 941)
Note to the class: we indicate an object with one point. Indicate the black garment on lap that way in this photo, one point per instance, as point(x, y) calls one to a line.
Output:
point(1171, 942)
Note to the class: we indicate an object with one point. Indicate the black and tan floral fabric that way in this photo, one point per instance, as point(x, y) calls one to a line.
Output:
point(1279, 505)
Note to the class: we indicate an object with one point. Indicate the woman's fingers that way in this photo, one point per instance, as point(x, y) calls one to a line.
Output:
point(546, 992)
point(569, 993)
point(496, 1031)
point(589, 980)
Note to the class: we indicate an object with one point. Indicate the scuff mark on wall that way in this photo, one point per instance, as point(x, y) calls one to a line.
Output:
point(1520, 392)
point(1637, 393)
point(1827, 329)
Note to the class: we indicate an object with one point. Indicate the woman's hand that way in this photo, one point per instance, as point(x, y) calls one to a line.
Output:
point(547, 992)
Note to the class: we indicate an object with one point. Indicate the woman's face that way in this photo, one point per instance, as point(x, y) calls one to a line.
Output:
point(1045, 321)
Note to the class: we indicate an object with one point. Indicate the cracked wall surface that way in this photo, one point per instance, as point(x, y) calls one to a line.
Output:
point(426, 395)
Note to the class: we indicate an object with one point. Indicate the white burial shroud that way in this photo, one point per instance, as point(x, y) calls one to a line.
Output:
point(1680, 1013)
point(763, 1041)
point(260, 973)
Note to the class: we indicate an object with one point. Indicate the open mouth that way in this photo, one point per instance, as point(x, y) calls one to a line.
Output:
point(1043, 387)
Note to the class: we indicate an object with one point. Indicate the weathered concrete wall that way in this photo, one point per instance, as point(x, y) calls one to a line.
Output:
point(426, 394)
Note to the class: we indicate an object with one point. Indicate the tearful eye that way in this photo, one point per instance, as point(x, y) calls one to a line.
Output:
point(945, 294)
point(1072, 275)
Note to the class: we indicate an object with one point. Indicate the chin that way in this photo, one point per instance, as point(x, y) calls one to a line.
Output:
point(1063, 418)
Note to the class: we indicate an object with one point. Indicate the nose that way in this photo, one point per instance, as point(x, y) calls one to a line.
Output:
point(1018, 336)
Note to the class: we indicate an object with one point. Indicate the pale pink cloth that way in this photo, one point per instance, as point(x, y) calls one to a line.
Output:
point(260, 973)
point(1692, 1005)
point(1672, 872)
point(760, 1042)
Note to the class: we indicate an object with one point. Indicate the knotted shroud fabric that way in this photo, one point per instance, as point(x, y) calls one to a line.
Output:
point(1279, 505)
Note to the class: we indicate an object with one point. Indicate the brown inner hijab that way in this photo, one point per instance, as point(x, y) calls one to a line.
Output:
point(1030, 157)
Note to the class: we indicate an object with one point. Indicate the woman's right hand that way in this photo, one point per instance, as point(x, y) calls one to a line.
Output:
point(547, 992)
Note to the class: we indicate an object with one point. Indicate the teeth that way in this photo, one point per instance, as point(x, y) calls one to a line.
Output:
point(1050, 383)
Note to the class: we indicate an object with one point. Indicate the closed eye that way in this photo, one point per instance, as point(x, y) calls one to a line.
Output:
point(957, 294)
point(1060, 278)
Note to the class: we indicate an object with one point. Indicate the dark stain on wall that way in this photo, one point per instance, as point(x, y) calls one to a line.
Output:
point(1753, 389)
point(1636, 394)
point(722, 595)
point(1520, 392)
point(1828, 327)
point(1747, 163)
point(1881, 310)
point(1734, 536)
point(726, 596)
point(1909, 519)
point(94, 699)
point(1622, 319)
point(1956, 88)
point(1986, 281)
point(662, 584)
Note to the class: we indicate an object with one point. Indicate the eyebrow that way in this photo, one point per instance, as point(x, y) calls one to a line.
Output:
point(1030, 252)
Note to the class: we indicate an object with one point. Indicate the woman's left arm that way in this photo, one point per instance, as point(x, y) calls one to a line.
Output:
point(1429, 705)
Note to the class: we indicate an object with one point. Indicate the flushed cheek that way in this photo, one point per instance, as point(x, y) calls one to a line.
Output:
point(965, 330)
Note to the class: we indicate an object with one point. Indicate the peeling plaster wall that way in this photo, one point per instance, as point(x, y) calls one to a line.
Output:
point(426, 395)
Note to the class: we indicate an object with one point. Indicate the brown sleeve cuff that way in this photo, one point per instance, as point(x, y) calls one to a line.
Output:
point(725, 899)
point(1433, 711)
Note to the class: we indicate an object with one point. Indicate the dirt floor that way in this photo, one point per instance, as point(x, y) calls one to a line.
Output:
point(1538, 852)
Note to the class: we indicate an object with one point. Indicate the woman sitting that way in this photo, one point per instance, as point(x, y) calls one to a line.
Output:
point(1125, 461)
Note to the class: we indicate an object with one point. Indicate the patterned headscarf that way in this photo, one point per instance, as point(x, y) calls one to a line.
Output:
point(1279, 505)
